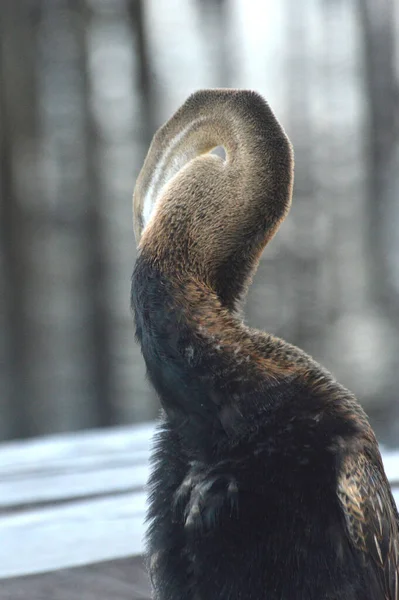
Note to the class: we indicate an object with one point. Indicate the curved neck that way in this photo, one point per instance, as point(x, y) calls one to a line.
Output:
point(194, 211)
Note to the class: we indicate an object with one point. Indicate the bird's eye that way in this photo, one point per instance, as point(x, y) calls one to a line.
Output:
point(219, 151)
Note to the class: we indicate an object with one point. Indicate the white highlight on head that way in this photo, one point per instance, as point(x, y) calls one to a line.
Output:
point(165, 169)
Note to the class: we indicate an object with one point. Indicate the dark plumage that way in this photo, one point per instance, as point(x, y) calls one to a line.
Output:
point(267, 480)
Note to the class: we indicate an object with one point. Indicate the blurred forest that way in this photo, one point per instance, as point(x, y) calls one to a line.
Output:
point(83, 86)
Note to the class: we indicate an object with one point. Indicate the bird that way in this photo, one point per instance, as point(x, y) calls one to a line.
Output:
point(266, 477)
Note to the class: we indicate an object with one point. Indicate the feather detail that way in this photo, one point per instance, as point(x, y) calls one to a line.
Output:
point(371, 518)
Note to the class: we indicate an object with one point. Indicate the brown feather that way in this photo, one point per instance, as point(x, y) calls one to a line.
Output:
point(371, 516)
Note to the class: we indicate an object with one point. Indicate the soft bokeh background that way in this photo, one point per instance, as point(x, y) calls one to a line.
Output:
point(83, 86)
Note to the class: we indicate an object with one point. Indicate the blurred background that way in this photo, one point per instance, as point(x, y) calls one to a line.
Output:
point(83, 86)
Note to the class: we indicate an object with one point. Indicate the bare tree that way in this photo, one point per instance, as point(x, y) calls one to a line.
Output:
point(17, 136)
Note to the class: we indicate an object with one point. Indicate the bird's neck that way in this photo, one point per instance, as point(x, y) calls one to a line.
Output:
point(206, 366)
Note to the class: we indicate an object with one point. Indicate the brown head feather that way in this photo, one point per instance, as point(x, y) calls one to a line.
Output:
point(195, 211)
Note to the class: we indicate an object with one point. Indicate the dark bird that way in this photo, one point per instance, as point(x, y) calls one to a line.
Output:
point(267, 481)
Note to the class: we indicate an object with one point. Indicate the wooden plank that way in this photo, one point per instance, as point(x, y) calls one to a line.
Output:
point(74, 446)
point(81, 465)
point(70, 535)
point(117, 580)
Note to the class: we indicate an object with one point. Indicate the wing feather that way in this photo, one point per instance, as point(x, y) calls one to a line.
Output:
point(371, 518)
